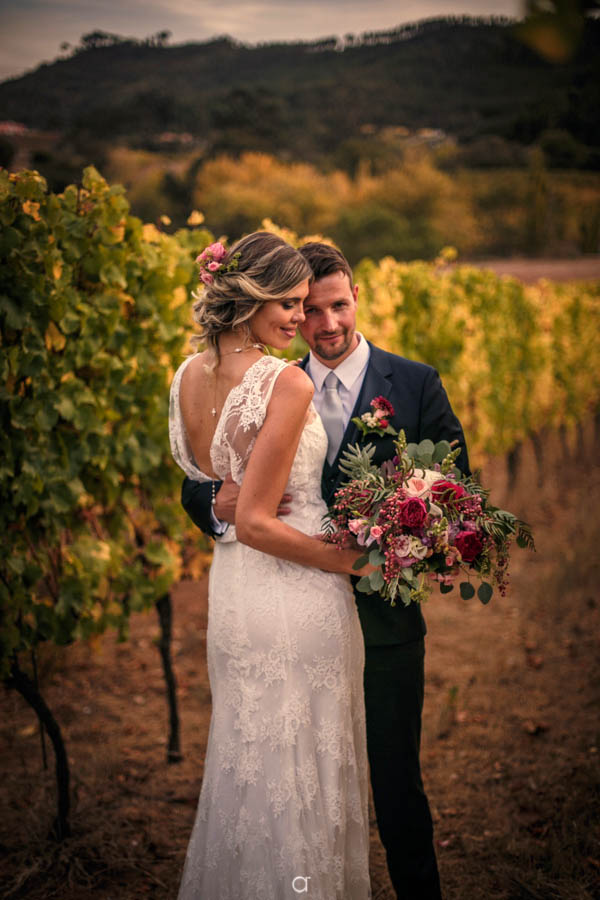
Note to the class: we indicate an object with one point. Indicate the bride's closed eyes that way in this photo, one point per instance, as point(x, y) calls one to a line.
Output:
point(276, 321)
point(290, 304)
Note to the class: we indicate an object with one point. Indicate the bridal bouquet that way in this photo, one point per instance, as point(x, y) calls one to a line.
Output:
point(422, 522)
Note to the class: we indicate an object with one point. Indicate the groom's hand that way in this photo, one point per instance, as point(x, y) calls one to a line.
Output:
point(227, 497)
point(226, 501)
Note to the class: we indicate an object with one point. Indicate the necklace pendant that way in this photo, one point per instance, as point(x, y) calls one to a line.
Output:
point(213, 411)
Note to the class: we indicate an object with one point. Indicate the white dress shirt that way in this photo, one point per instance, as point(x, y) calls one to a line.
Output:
point(351, 372)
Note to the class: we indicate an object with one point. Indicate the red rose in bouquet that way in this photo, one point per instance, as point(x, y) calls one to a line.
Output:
point(413, 512)
point(469, 545)
point(444, 491)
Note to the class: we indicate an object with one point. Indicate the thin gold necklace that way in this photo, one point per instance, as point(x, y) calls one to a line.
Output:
point(229, 352)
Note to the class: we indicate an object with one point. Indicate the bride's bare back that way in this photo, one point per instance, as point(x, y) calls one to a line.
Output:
point(257, 453)
point(204, 388)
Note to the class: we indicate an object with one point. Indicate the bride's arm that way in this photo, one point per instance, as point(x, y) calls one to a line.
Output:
point(267, 474)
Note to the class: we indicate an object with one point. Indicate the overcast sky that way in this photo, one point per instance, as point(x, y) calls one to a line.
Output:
point(31, 31)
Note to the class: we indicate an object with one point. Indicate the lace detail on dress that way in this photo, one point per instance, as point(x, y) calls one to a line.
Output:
point(241, 418)
point(243, 414)
point(327, 674)
point(284, 791)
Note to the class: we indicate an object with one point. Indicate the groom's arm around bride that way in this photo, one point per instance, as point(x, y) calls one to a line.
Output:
point(394, 636)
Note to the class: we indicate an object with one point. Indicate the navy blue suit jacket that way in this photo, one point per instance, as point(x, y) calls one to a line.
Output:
point(422, 409)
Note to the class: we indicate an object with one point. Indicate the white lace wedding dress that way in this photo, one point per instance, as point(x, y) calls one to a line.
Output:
point(283, 806)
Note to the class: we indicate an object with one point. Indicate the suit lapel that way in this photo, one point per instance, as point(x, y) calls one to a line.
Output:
point(376, 383)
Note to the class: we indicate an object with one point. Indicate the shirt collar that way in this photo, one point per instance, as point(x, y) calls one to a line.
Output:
point(348, 371)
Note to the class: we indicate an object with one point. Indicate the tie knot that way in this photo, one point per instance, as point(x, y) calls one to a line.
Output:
point(332, 382)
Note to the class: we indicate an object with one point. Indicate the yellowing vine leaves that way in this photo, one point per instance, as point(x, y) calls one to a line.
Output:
point(93, 323)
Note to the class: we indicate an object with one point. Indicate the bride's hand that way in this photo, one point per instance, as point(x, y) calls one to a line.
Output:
point(364, 570)
point(348, 556)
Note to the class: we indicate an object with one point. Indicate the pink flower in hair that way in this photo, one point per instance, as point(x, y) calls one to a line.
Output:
point(210, 262)
point(217, 251)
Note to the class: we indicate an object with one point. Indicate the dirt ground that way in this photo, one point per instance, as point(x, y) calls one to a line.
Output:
point(511, 742)
point(585, 268)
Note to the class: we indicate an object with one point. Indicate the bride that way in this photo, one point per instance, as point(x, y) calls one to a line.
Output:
point(283, 806)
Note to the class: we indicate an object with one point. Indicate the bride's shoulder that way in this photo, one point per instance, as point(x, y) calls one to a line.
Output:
point(200, 360)
point(195, 366)
point(292, 379)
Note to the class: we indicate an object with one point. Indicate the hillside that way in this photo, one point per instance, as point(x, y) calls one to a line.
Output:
point(470, 78)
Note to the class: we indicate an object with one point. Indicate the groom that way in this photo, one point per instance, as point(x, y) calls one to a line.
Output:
point(348, 373)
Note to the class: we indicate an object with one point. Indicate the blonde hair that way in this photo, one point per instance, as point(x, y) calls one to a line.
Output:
point(268, 268)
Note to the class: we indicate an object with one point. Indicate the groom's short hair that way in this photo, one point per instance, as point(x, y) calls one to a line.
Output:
point(325, 260)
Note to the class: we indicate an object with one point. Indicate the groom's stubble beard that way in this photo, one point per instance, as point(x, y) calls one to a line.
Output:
point(333, 353)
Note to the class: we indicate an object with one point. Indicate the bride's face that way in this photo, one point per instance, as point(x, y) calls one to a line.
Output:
point(276, 322)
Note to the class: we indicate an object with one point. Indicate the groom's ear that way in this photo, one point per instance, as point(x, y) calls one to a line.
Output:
point(355, 293)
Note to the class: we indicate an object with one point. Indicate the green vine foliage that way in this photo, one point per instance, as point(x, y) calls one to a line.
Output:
point(94, 317)
point(514, 358)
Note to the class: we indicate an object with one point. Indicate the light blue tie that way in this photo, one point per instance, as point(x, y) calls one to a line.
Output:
point(332, 415)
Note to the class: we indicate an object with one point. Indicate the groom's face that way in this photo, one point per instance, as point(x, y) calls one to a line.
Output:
point(329, 327)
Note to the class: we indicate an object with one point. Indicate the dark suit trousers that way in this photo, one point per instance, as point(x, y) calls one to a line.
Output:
point(394, 687)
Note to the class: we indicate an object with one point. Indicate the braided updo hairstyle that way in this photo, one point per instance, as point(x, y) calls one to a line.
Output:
point(267, 269)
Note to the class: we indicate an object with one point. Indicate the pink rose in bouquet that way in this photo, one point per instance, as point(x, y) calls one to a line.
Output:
point(375, 534)
point(420, 483)
point(417, 487)
point(359, 528)
point(356, 526)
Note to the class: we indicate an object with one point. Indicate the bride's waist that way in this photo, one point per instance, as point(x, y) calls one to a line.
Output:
point(307, 517)
point(307, 510)
point(305, 520)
